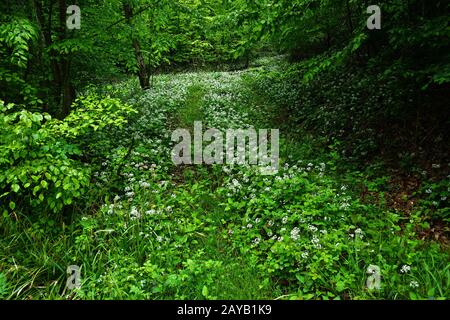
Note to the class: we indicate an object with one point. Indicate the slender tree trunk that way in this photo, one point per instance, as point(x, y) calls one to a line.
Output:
point(143, 70)
point(60, 67)
point(45, 30)
point(144, 75)
point(67, 90)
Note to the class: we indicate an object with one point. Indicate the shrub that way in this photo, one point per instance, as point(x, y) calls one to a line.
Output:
point(40, 156)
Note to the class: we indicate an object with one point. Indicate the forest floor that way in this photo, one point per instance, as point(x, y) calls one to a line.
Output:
point(223, 231)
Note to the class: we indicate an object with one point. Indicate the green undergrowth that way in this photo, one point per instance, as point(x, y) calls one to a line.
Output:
point(149, 230)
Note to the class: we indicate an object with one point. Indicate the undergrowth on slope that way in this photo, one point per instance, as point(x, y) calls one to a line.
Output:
point(152, 231)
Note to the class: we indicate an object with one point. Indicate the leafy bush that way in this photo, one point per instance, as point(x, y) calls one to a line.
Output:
point(40, 165)
point(37, 166)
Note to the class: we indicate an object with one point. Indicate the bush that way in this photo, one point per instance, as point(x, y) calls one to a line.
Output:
point(40, 156)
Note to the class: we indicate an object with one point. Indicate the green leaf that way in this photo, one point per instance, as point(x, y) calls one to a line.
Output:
point(205, 291)
point(15, 188)
point(412, 296)
point(36, 189)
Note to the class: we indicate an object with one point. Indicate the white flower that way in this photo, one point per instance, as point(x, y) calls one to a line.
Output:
point(322, 167)
point(236, 183)
point(144, 184)
point(256, 240)
point(414, 284)
point(359, 233)
point(405, 269)
point(284, 220)
point(249, 226)
point(312, 228)
point(316, 242)
point(135, 213)
point(295, 234)
point(344, 205)
point(305, 255)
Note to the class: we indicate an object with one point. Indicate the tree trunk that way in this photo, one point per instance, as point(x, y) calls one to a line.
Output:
point(67, 90)
point(45, 30)
point(144, 75)
point(143, 70)
point(60, 64)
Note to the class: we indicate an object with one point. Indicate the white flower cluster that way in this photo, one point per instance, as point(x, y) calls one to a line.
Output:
point(405, 269)
point(135, 214)
point(316, 242)
point(295, 234)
